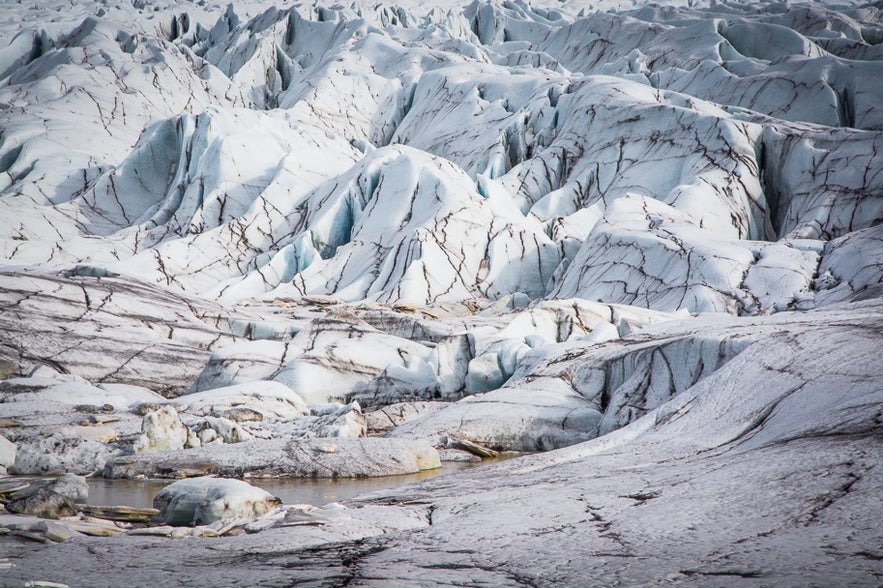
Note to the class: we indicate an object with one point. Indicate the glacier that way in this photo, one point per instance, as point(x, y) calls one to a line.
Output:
point(640, 242)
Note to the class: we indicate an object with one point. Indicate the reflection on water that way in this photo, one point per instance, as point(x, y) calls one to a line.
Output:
point(136, 493)
point(316, 491)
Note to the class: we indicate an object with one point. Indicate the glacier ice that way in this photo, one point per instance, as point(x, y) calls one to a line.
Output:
point(330, 239)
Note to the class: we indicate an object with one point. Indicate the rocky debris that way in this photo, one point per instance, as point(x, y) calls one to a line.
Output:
point(123, 514)
point(142, 409)
point(61, 452)
point(303, 515)
point(8, 369)
point(59, 529)
point(284, 458)
point(10, 486)
point(171, 532)
point(200, 501)
point(161, 430)
point(95, 527)
point(320, 300)
point(169, 426)
point(55, 532)
point(55, 499)
point(70, 485)
point(472, 447)
point(219, 430)
point(241, 415)
point(95, 409)
point(43, 503)
point(38, 537)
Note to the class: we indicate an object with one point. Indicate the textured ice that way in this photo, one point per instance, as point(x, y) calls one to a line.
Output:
point(206, 500)
point(270, 399)
point(161, 430)
point(278, 178)
point(645, 236)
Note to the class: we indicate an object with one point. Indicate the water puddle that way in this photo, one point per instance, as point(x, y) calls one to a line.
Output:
point(315, 491)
